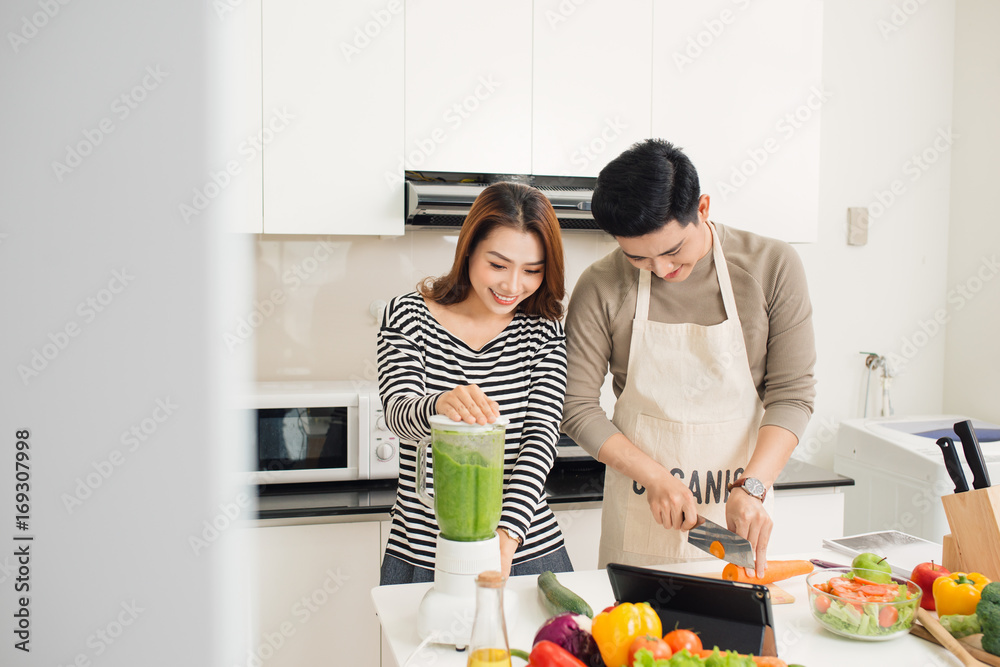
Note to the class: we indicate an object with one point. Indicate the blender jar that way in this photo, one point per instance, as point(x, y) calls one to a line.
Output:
point(468, 477)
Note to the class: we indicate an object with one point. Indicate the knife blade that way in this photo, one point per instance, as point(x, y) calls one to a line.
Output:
point(973, 454)
point(734, 548)
point(952, 464)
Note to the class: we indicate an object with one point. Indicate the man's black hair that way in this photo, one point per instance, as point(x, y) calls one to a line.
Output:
point(649, 185)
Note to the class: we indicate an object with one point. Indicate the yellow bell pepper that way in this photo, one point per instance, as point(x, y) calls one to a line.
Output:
point(615, 628)
point(958, 592)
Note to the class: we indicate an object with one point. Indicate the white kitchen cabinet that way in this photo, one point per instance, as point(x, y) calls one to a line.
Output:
point(332, 117)
point(314, 585)
point(468, 86)
point(581, 528)
point(803, 518)
point(738, 85)
point(591, 83)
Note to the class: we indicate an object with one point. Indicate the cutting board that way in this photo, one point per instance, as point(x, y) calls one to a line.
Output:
point(778, 595)
point(971, 644)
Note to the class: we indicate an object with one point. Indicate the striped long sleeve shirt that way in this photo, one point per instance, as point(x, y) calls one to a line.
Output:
point(523, 369)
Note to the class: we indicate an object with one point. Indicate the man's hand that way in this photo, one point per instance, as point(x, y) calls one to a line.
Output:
point(745, 516)
point(671, 501)
point(468, 403)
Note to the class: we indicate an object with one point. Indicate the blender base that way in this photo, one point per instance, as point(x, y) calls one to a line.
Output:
point(448, 609)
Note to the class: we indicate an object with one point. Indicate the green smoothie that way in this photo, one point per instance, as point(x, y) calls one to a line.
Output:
point(468, 489)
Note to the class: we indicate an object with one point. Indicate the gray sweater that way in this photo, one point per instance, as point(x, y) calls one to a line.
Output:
point(772, 300)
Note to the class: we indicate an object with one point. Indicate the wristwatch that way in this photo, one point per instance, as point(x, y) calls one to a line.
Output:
point(751, 485)
point(511, 535)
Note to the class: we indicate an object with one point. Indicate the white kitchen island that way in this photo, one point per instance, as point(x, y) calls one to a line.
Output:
point(800, 638)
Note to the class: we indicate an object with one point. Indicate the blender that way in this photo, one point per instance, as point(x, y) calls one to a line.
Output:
point(468, 495)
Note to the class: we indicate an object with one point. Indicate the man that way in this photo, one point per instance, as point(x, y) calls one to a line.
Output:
point(707, 331)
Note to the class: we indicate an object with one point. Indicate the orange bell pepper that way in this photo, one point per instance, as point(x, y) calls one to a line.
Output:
point(958, 592)
point(615, 628)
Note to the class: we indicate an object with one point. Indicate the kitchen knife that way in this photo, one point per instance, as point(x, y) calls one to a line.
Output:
point(973, 454)
point(952, 464)
point(731, 547)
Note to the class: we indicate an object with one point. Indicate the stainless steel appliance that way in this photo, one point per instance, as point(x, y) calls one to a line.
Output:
point(321, 432)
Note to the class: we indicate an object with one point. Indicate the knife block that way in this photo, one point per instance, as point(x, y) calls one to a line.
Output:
point(974, 542)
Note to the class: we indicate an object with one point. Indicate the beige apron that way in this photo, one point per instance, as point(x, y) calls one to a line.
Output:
point(691, 404)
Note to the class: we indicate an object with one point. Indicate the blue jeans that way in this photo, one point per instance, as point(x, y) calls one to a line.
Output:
point(398, 571)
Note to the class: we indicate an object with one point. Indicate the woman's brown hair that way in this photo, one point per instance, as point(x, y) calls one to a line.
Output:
point(520, 207)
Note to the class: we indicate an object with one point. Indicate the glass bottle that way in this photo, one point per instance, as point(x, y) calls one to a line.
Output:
point(488, 646)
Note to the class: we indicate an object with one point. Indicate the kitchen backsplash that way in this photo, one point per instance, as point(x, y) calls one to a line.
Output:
point(311, 319)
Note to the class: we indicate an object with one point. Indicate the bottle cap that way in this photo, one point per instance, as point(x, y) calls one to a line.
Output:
point(491, 579)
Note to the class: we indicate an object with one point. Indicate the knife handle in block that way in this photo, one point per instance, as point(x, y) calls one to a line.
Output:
point(928, 620)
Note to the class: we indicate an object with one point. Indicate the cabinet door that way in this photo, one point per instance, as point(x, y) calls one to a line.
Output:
point(738, 86)
point(591, 92)
point(333, 117)
point(315, 604)
point(581, 529)
point(468, 86)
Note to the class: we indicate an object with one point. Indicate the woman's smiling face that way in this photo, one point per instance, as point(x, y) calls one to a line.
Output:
point(506, 268)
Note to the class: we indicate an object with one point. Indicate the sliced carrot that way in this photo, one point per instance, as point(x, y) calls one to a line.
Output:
point(777, 570)
point(768, 661)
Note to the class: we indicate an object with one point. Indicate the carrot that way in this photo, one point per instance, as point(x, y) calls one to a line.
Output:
point(777, 570)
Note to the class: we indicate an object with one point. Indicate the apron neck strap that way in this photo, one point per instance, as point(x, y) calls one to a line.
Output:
point(722, 271)
point(642, 298)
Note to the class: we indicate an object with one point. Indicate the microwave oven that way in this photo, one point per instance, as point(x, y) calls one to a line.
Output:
point(321, 432)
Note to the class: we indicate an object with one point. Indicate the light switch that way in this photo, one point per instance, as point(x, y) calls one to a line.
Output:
point(857, 226)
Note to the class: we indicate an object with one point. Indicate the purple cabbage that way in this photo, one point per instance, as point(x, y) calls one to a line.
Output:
point(572, 632)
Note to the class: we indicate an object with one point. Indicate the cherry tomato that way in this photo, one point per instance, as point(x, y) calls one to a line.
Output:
point(887, 617)
point(659, 648)
point(822, 603)
point(678, 640)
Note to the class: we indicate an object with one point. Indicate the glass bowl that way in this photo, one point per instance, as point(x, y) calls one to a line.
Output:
point(859, 610)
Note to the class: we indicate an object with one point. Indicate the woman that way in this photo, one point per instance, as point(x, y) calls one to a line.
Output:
point(480, 342)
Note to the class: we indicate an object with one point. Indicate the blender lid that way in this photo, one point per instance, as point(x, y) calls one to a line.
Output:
point(440, 421)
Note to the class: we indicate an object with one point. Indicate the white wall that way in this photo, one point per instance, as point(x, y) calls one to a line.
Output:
point(890, 94)
point(972, 355)
point(890, 79)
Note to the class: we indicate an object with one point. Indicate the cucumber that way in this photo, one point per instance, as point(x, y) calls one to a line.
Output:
point(556, 598)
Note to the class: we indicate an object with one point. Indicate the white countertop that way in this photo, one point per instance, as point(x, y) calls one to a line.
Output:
point(799, 637)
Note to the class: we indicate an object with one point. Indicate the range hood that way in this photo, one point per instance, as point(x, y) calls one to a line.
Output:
point(444, 199)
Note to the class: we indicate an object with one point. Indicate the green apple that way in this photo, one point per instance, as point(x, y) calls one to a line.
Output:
point(878, 567)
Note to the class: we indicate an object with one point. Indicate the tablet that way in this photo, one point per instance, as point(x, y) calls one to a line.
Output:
point(731, 615)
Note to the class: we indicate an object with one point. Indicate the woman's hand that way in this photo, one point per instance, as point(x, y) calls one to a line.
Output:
point(508, 545)
point(746, 516)
point(468, 403)
point(671, 501)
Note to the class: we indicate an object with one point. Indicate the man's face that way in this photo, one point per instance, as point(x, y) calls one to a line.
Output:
point(671, 251)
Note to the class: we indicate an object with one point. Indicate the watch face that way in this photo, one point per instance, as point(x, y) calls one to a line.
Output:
point(754, 486)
